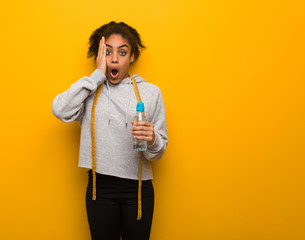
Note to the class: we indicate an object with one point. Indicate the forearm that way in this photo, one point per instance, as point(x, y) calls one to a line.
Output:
point(69, 105)
point(157, 149)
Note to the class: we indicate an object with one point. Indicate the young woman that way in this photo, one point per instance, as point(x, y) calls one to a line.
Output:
point(120, 195)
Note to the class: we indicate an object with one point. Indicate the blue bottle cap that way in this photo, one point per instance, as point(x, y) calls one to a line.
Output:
point(140, 107)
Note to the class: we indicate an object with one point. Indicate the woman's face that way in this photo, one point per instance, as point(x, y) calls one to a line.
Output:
point(118, 58)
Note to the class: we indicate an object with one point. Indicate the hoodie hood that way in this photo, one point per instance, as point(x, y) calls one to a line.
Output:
point(136, 77)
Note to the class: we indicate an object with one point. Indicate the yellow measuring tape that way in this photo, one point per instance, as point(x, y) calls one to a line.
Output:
point(98, 91)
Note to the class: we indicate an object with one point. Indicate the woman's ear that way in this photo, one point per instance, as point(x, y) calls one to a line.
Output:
point(132, 58)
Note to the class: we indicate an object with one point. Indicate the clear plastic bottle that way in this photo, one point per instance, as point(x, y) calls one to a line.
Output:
point(139, 145)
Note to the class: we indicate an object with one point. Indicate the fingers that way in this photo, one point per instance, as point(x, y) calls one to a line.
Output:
point(143, 135)
point(104, 54)
point(142, 126)
point(101, 56)
point(104, 46)
point(143, 131)
point(148, 139)
point(143, 123)
point(101, 46)
point(103, 50)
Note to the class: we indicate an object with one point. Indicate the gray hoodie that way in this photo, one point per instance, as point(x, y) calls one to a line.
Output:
point(115, 110)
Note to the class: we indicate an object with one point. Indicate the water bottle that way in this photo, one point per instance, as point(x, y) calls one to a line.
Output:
point(139, 145)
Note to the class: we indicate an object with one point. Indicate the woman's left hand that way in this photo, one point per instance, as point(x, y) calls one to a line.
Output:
point(144, 131)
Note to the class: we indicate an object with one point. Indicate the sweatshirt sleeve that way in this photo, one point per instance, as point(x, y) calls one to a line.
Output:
point(157, 149)
point(68, 106)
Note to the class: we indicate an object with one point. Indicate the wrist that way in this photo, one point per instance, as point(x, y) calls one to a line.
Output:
point(101, 69)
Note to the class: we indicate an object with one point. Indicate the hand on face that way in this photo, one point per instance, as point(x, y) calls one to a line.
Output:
point(101, 56)
point(144, 131)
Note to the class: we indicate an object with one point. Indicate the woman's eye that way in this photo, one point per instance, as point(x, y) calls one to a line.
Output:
point(108, 52)
point(122, 53)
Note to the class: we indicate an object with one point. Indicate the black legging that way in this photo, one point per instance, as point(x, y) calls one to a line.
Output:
point(114, 212)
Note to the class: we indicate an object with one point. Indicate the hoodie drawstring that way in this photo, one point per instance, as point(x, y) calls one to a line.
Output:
point(109, 100)
point(127, 103)
point(135, 86)
point(127, 107)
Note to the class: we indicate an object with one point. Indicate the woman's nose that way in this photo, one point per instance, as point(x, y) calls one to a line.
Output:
point(115, 58)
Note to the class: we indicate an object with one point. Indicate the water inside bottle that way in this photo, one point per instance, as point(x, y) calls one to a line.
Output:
point(139, 145)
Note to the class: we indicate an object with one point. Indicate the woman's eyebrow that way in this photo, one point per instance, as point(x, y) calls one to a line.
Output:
point(124, 45)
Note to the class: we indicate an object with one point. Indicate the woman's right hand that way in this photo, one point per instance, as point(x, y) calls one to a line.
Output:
point(101, 56)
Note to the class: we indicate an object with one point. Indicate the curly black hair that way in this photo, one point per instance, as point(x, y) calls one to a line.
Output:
point(127, 32)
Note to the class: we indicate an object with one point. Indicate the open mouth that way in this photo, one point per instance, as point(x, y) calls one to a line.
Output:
point(114, 73)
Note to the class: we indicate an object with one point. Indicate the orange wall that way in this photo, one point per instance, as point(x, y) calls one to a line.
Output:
point(232, 78)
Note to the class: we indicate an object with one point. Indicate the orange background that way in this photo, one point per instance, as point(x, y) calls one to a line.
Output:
point(232, 78)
